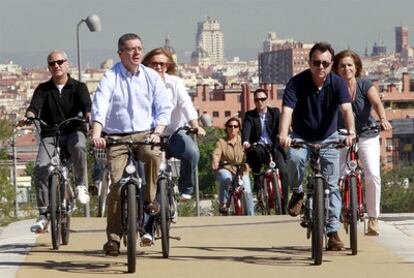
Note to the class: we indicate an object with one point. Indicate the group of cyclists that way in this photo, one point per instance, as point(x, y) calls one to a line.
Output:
point(141, 98)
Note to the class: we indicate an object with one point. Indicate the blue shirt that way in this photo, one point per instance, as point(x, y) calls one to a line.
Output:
point(315, 110)
point(126, 103)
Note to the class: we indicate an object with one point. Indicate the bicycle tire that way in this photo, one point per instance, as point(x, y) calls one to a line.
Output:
point(353, 214)
point(54, 199)
point(164, 218)
point(245, 203)
point(317, 221)
point(102, 194)
point(266, 209)
point(65, 229)
point(277, 196)
point(131, 227)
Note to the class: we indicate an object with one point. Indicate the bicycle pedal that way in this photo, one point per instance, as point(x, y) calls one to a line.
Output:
point(175, 237)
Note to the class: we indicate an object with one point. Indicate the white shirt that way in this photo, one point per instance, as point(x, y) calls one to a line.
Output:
point(183, 110)
point(126, 103)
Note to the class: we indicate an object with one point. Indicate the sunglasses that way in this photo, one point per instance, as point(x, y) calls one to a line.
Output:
point(318, 63)
point(260, 99)
point(160, 64)
point(59, 62)
point(233, 126)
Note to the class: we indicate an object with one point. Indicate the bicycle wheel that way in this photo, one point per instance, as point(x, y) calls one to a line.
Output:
point(55, 201)
point(131, 227)
point(65, 229)
point(245, 197)
point(266, 185)
point(277, 196)
point(103, 192)
point(164, 217)
point(317, 221)
point(353, 214)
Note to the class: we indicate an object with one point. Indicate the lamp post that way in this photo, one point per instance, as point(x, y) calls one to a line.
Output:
point(94, 25)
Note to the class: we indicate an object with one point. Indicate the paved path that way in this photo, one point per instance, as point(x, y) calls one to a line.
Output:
point(211, 247)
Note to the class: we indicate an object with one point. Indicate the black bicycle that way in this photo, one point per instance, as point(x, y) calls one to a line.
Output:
point(61, 193)
point(317, 197)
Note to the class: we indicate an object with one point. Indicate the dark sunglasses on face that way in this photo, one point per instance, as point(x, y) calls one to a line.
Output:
point(161, 64)
point(59, 62)
point(318, 63)
point(233, 126)
point(260, 99)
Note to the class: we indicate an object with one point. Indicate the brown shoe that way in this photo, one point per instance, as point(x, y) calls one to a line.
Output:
point(111, 248)
point(373, 229)
point(295, 204)
point(334, 242)
point(152, 208)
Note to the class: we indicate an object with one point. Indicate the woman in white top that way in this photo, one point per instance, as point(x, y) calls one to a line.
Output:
point(182, 145)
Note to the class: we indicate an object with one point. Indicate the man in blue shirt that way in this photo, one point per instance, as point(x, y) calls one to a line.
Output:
point(310, 107)
point(131, 102)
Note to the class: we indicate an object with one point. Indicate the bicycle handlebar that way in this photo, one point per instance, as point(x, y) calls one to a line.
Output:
point(111, 141)
point(299, 143)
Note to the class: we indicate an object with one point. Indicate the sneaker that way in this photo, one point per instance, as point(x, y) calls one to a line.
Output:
point(185, 197)
point(295, 204)
point(40, 226)
point(373, 229)
point(174, 217)
point(146, 239)
point(111, 248)
point(334, 242)
point(83, 194)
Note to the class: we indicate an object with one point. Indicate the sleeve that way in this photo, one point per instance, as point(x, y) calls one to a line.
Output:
point(247, 129)
point(217, 152)
point(343, 92)
point(366, 85)
point(85, 98)
point(102, 99)
point(161, 102)
point(37, 101)
point(184, 101)
point(289, 96)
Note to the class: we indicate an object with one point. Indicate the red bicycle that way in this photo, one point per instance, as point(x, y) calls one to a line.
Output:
point(238, 198)
point(270, 193)
point(351, 191)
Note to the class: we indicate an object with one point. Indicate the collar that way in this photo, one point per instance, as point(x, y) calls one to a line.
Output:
point(126, 73)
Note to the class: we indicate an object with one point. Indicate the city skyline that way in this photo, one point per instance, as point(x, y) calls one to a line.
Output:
point(31, 29)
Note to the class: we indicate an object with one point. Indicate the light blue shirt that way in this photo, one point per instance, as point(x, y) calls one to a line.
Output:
point(264, 138)
point(126, 103)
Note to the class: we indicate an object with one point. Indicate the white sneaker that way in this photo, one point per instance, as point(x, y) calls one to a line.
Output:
point(40, 226)
point(184, 197)
point(83, 194)
point(146, 239)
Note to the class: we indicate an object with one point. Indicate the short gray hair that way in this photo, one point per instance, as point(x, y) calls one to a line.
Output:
point(65, 56)
point(127, 37)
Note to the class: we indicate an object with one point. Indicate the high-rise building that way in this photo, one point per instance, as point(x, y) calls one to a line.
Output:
point(210, 38)
point(401, 38)
point(284, 61)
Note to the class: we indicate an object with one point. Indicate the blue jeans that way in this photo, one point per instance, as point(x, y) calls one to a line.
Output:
point(297, 160)
point(183, 147)
point(224, 177)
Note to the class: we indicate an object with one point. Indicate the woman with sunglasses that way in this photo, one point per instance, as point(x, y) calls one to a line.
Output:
point(182, 145)
point(230, 149)
point(348, 65)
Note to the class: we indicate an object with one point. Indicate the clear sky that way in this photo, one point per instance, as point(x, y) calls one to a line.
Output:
point(31, 28)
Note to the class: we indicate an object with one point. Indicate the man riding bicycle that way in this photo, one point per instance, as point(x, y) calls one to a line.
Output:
point(261, 126)
point(54, 101)
point(131, 102)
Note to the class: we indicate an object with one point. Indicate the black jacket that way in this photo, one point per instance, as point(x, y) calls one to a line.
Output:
point(252, 127)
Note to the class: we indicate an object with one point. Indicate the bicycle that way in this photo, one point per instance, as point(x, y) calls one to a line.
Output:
point(166, 194)
point(270, 194)
point(316, 213)
point(105, 183)
point(61, 194)
point(238, 197)
point(351, 188)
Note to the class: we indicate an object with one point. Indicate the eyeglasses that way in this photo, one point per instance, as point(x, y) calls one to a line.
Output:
point(260, 99)
point(132, 49)
point(160, 64)
point(59, 62)
point(318, 63)
point(233, 126)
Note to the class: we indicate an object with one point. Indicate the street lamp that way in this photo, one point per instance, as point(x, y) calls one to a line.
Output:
point(94, 25)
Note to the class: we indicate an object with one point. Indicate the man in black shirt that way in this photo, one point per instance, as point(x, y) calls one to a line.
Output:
point(54, 101)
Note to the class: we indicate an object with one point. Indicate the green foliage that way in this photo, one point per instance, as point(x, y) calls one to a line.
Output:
point(206, 175)
point(398, 190)
point(187, 208)
point(7, 197)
